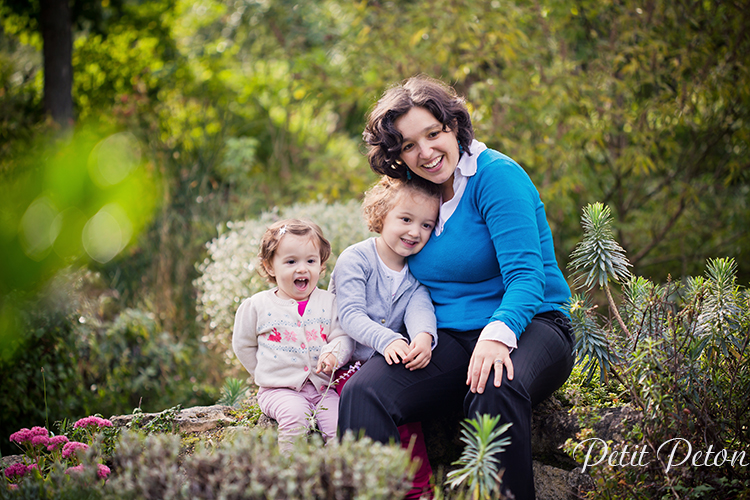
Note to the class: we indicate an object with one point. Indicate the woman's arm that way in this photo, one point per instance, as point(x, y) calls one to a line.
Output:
point(511, 215)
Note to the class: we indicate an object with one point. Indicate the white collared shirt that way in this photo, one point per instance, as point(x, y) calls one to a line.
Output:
point(467, 166)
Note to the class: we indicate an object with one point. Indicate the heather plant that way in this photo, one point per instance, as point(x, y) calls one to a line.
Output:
point(228, 273)
point(250, 466)
point(681, 352)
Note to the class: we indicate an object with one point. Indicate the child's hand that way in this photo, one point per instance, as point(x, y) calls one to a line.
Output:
point(396, 350)
point(326, 363)
point(420, 352)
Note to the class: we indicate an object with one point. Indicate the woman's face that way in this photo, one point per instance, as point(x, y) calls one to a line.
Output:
point(427, 150)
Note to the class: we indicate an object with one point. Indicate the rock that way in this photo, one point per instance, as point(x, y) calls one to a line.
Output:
point(196, 419)
point(580, 483)
point(551, 426)
point(9, 460)
point(551, 483)
point(231, 433)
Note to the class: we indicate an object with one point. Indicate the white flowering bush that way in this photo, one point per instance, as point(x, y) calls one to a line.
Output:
point(229, 274)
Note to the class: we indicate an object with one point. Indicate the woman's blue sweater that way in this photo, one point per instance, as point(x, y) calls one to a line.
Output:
point(495, 258)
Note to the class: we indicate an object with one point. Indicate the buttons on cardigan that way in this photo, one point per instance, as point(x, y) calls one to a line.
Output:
point(383, 321)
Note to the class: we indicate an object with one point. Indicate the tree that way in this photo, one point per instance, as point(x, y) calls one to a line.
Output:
point(56, 21)
point(57, 35)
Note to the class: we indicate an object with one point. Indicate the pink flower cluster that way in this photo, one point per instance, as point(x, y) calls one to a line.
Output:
point(101, 470)
point(72, 447)
point(56, 441)
point(19, 470)
point(97, 421)
point(27, 435)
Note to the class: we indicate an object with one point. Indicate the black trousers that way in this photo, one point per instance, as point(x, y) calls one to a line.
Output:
point(380, 397)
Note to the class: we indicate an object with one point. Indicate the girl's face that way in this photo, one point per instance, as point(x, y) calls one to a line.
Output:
point(427, 150)
point(407, 227)
point(296, 266)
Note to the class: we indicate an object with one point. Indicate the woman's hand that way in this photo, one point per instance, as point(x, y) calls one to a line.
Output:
point(421, 352)
point(396, 351)
point(326, 363)
point(486, 352)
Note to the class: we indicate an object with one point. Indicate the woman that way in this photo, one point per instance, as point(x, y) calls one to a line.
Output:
point(505, 341)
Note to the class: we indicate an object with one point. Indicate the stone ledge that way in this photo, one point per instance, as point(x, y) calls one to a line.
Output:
point(195, 419)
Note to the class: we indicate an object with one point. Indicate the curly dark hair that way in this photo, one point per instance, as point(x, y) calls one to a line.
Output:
point(380, 134)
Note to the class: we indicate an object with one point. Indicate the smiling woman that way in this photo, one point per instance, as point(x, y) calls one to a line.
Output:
point(499, 295)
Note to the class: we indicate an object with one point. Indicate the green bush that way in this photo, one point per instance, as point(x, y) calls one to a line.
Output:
point(95, 358)
point(42, 381)
point(251, 467)
point(681, 351)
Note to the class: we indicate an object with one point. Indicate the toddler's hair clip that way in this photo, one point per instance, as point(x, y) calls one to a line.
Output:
point(282, 230)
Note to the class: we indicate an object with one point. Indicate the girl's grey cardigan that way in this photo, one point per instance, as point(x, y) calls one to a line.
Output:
point(367, 313)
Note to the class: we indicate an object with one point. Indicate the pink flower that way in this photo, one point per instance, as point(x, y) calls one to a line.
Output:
point(102, 471)
point(97, 421)
point(20, 436)
point(15, 470)
point(76, 469)
point(39, 440)
point(56, 441)
point(18, 470)
point(72, 447)
point(38, 431)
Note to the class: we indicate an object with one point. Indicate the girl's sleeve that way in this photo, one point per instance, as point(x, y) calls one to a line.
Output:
point(508, 203)
point(245, 335)
point(339, 343)
point(351, 275)
point(420, 315)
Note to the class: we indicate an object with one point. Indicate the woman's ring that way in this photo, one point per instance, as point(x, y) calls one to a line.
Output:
point(499, 361)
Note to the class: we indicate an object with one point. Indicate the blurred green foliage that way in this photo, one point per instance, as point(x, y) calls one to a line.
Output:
point(237, 107)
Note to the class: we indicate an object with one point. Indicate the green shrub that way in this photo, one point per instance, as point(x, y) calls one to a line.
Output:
point(95, 358)
point(681, 351)
point(42, 380)
point(251, 467)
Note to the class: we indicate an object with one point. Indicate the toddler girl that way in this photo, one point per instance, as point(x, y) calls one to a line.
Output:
point(381, 305)
point(289, 337)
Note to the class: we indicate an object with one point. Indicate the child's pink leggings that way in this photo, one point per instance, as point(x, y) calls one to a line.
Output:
point(291, 409)
point(421, 483)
